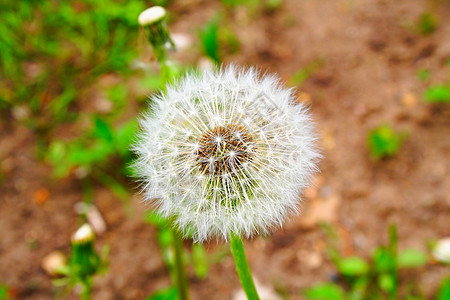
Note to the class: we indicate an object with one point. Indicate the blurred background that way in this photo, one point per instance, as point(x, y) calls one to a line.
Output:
point(75, 74)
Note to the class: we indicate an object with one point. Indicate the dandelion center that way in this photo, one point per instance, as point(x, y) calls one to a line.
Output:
point(224, 150)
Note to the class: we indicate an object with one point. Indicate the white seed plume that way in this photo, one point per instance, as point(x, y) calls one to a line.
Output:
point(226, 151)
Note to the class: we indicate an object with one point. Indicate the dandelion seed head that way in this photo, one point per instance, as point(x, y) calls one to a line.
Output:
point(226, 151)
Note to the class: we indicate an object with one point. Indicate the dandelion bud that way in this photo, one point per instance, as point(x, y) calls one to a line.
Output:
point(83, 235)
point(152, 15)
point(84, 261)
point(441, 250)
point(153, 20)
point(226, 152)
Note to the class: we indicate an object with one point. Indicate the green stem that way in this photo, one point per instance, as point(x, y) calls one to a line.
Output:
point(166, 74)
point(393, 239)
point(243, 270)
point(86, 291)
point(161, 54)
point(179, 265)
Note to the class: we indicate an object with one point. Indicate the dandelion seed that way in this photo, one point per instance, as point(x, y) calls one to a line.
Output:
point(245, 150)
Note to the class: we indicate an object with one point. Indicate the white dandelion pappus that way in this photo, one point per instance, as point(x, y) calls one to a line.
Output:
point(226, 152)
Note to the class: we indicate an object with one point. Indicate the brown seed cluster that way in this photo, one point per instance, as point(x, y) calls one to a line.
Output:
point(223, 149)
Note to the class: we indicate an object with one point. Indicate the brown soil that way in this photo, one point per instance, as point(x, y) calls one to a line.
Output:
point(370, 59)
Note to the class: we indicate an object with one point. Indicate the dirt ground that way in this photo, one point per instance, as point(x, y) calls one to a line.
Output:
point(370, 57)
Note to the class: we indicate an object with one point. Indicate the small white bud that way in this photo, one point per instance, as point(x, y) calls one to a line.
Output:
point(151, 15)
point(441, 251)
point(83, 234)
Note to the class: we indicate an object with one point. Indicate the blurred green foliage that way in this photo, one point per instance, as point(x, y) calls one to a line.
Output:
point(273, 4)
point(51, 49)
point(51, 53)
point(427, 23)
point(92, 149)
point(268, 5)
point(374, 279)
point(165, 238)
point(437, 94)
point(210, 40)
point(4, 291)
point(240, 2)
point(199, 260)
point(325, 291)
point(383, 141)
point(198, 257)
point(444, 290)
point(217, 38)
point(423, 74)
point(168, 293)
point(304, 73)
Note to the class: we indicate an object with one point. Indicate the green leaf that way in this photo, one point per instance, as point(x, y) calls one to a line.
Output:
point(210, 41)
point(116, 187)
point(57, 156)
point(353, 266)
point(124, 136)
point(60, 104)
point(152, 217)
point(383, 260)
point(383, 141)
point(358, 288)
point(386, 282)
point(118, 95)
point(151, 82)
point(169, 293)
point(102, 130)
point(170, 72)
point(427, 23)
point(437, 94)
point(228, 40)
point(444, 290)
point(200, 261)
point(3, 292)
point(412, 258)
point(325, 291)
point(165, 237)
point(304, 73)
